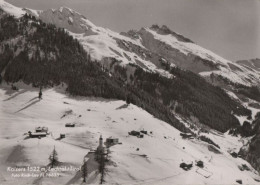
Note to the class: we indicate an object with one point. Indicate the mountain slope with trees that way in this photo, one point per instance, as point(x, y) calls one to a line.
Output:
point(43, 55)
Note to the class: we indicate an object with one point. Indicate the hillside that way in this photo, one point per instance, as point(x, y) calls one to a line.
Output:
point(95, 117)
point(60, 59)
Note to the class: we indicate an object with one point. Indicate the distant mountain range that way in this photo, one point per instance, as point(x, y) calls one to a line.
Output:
point(151, 48)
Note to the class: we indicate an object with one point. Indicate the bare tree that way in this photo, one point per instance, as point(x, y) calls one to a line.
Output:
point(53, 158)
point(84, 170)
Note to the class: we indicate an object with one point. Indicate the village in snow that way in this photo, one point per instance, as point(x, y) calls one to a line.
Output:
point(54, 138)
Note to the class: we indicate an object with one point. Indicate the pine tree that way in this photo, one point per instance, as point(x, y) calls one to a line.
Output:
point(40, 93)
point(53, 158)
point(84, 170)
point(128, 99)
point(102, 168)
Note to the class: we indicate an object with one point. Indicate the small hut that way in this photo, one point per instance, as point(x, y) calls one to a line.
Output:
point(41, 129)
point(70, 125)
point(134, 133)
point(37, 134)
point(112, 141)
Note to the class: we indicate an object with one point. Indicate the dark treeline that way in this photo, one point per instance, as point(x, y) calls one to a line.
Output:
point(193, 96)
point(48, 56)
point(250, 92)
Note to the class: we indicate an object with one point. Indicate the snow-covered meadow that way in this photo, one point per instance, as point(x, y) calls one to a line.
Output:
point(156, 162)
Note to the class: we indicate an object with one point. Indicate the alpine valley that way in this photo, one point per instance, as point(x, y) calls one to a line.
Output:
point(179, 113)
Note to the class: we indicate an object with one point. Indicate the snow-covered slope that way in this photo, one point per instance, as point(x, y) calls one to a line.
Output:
point(17, 11)
point(149, 48)
point(13, 10)
point(99, 42)
point(156, 162)
point(191, 56)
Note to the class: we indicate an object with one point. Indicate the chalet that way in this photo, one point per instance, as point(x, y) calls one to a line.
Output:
point(70, 125)
point(112, 141)
point(186, 166)
point(186, 136)
point(134, 133)
point(37, 134)
point(41, 129)
point(200, 164)
point(143, 131)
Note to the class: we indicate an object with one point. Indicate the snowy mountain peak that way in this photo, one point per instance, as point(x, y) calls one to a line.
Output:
point(66, 18)
point(188, 55)
point(68, 11)
point(12, 10)
point(164, 30)
point(152, 48)
point(102, 44)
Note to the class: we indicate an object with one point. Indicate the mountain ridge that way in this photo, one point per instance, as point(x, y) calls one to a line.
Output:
point(180, 50)
point(104, 44)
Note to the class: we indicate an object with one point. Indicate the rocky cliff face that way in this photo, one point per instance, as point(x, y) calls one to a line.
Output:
point(66, 18)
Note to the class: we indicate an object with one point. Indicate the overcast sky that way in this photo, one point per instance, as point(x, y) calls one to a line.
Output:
point(230, 28)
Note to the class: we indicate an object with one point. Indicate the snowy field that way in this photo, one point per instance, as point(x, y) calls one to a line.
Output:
point(156, 162)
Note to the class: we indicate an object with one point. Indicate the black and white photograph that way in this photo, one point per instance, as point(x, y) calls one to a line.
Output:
point(130, 92)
